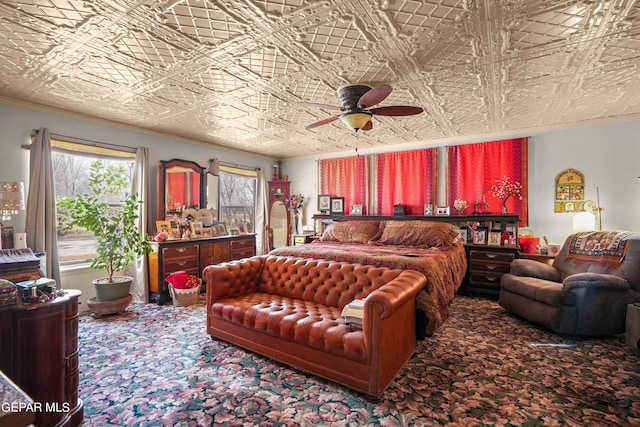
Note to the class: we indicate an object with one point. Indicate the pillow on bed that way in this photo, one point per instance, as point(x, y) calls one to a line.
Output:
point(351, 232)
point(422, 234)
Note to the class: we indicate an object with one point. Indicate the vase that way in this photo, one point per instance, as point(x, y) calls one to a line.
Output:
point(504, 207)
point(298, 223)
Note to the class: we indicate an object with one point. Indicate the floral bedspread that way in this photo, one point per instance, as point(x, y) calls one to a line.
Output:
point(444, 269)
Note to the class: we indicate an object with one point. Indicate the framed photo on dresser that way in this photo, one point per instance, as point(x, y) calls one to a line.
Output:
point(480, 236)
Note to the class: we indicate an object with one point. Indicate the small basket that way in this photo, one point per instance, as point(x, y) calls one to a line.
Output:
point(184, 297)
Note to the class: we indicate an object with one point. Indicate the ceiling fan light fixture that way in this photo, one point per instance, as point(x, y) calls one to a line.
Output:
point(357, 120)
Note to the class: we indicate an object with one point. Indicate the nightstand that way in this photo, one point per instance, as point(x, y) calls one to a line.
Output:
point(303, 239)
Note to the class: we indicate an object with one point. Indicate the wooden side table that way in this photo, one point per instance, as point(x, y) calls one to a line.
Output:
point(303, 239)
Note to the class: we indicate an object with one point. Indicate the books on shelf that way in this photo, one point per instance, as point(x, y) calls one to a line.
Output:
point(353, 312)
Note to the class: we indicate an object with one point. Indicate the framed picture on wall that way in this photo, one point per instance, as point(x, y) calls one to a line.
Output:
point(355, 210)
point(428, 209)
point(324, 203)
point(337, 205)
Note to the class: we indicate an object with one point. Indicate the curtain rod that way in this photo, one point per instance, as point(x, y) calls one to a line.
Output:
point(235, 165)
point(88, 142)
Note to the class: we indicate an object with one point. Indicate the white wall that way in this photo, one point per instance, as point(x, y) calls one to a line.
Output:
point(608, 155)
point(18, 123)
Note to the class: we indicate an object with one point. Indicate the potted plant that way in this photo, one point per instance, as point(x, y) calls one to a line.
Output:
point(113, 223)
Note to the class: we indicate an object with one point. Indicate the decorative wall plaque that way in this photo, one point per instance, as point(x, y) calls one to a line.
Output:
point(569, 191)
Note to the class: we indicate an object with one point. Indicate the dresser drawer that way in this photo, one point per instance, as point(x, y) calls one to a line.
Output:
point(486, 256)
point(242, 249)
point(490, 267)
point(242, 253)
point(179, 265)
point(180, 252)
point(237, 245)
point(487, 280)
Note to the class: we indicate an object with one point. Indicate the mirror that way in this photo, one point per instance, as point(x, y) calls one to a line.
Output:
point(278, 224)
point(180, 184)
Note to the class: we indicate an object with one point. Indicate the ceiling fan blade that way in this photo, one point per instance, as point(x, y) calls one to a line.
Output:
point(374, 96)
point(396, 110)
point(321, 122)
point(315, 104)
point(368, 126)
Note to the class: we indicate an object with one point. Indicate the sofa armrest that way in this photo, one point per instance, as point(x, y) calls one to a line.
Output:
point(231, 279)
point(532, 268)
point(596, 281)
point(395, 293)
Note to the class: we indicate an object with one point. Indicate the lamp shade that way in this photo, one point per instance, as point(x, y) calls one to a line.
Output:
point(356, 120)
point(11, 199)
point(584, 221)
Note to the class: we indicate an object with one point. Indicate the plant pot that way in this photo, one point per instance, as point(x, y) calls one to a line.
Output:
point(116, 290)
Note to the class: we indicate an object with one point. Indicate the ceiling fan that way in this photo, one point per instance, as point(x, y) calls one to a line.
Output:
point(357, 101)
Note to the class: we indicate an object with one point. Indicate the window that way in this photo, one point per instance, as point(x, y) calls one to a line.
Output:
point(237, 202)
point(71, 165)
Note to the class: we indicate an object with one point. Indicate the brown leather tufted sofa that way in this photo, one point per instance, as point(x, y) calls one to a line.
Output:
point(289, 309)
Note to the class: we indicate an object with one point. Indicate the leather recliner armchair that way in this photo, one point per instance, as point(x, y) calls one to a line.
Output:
point(586, 296)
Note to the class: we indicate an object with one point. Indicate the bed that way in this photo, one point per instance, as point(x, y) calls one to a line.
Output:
point(429, 247)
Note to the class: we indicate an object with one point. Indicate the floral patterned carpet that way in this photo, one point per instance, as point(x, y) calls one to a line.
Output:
point(155, 366)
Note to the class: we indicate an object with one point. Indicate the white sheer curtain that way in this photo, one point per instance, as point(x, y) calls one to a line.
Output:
point(140, 185)
point(262, 224)
point(40, 225)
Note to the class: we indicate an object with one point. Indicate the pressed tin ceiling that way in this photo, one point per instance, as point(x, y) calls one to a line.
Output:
point(233, 73)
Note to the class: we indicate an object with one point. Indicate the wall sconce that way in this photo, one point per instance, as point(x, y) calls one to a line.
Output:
point(11, 199)
point(585, 219)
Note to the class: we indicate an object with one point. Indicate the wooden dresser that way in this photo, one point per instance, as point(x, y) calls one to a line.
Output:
point(39, 352)
point(487, 264)
point(193, 256)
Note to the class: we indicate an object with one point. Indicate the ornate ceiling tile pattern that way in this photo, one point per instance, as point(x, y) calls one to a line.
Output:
point(234, 72)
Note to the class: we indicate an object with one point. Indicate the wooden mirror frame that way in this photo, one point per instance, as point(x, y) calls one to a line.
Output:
point(162, 183)
point(279, 191)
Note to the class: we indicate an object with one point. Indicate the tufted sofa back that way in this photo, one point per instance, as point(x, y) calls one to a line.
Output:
point(330, 283)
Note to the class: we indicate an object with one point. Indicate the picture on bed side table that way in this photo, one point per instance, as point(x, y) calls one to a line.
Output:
point(480, 237)
point(443, 210)
point(337, 205)
point(324, 203)
point(494, 238)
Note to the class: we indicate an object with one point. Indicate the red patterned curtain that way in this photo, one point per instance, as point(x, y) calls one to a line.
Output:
point(407, 178)
point(346, 177)
point(473, 169)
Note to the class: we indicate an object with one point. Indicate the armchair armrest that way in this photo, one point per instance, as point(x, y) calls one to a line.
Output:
point(532, 268)
point(596, 281)
point(231, 279)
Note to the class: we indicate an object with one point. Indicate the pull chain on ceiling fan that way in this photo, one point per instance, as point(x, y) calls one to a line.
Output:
point(356, 102)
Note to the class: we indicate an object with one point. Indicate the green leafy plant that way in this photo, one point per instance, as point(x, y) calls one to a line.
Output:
point(113, 223)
